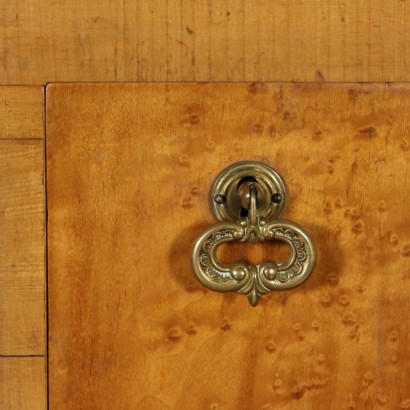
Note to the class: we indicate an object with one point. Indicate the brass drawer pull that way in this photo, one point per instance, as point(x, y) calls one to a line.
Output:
point(248, 197)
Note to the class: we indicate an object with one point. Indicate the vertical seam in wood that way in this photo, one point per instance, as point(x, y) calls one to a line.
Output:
point(46, 242)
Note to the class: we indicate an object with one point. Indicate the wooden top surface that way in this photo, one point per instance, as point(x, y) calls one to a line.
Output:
point(205, 40)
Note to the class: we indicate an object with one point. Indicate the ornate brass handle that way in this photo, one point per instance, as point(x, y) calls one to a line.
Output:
point(255, 192)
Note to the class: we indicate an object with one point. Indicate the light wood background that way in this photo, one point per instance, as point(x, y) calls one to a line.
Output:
point(44, 40)
point(22, 249)
point(204, 40)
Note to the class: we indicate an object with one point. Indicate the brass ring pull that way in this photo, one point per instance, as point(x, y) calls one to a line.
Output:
point(251, 185)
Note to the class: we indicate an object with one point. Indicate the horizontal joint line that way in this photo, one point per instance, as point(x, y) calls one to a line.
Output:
point(8, 356)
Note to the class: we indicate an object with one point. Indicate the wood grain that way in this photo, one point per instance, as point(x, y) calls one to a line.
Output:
point(22, 274)
point(129, 169)
point(205, 40)
point(22, 244)
point(21, 112)
point(22, 383)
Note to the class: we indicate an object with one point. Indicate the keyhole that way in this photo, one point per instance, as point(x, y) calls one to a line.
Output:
point(243, 189)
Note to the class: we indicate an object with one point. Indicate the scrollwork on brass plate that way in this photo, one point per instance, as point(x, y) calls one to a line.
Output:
point(248, 279)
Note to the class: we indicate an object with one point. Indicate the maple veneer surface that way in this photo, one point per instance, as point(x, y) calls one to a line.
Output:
point(129, 169)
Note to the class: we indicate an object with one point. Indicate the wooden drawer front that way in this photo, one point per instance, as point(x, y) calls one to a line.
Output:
point(129, 168)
